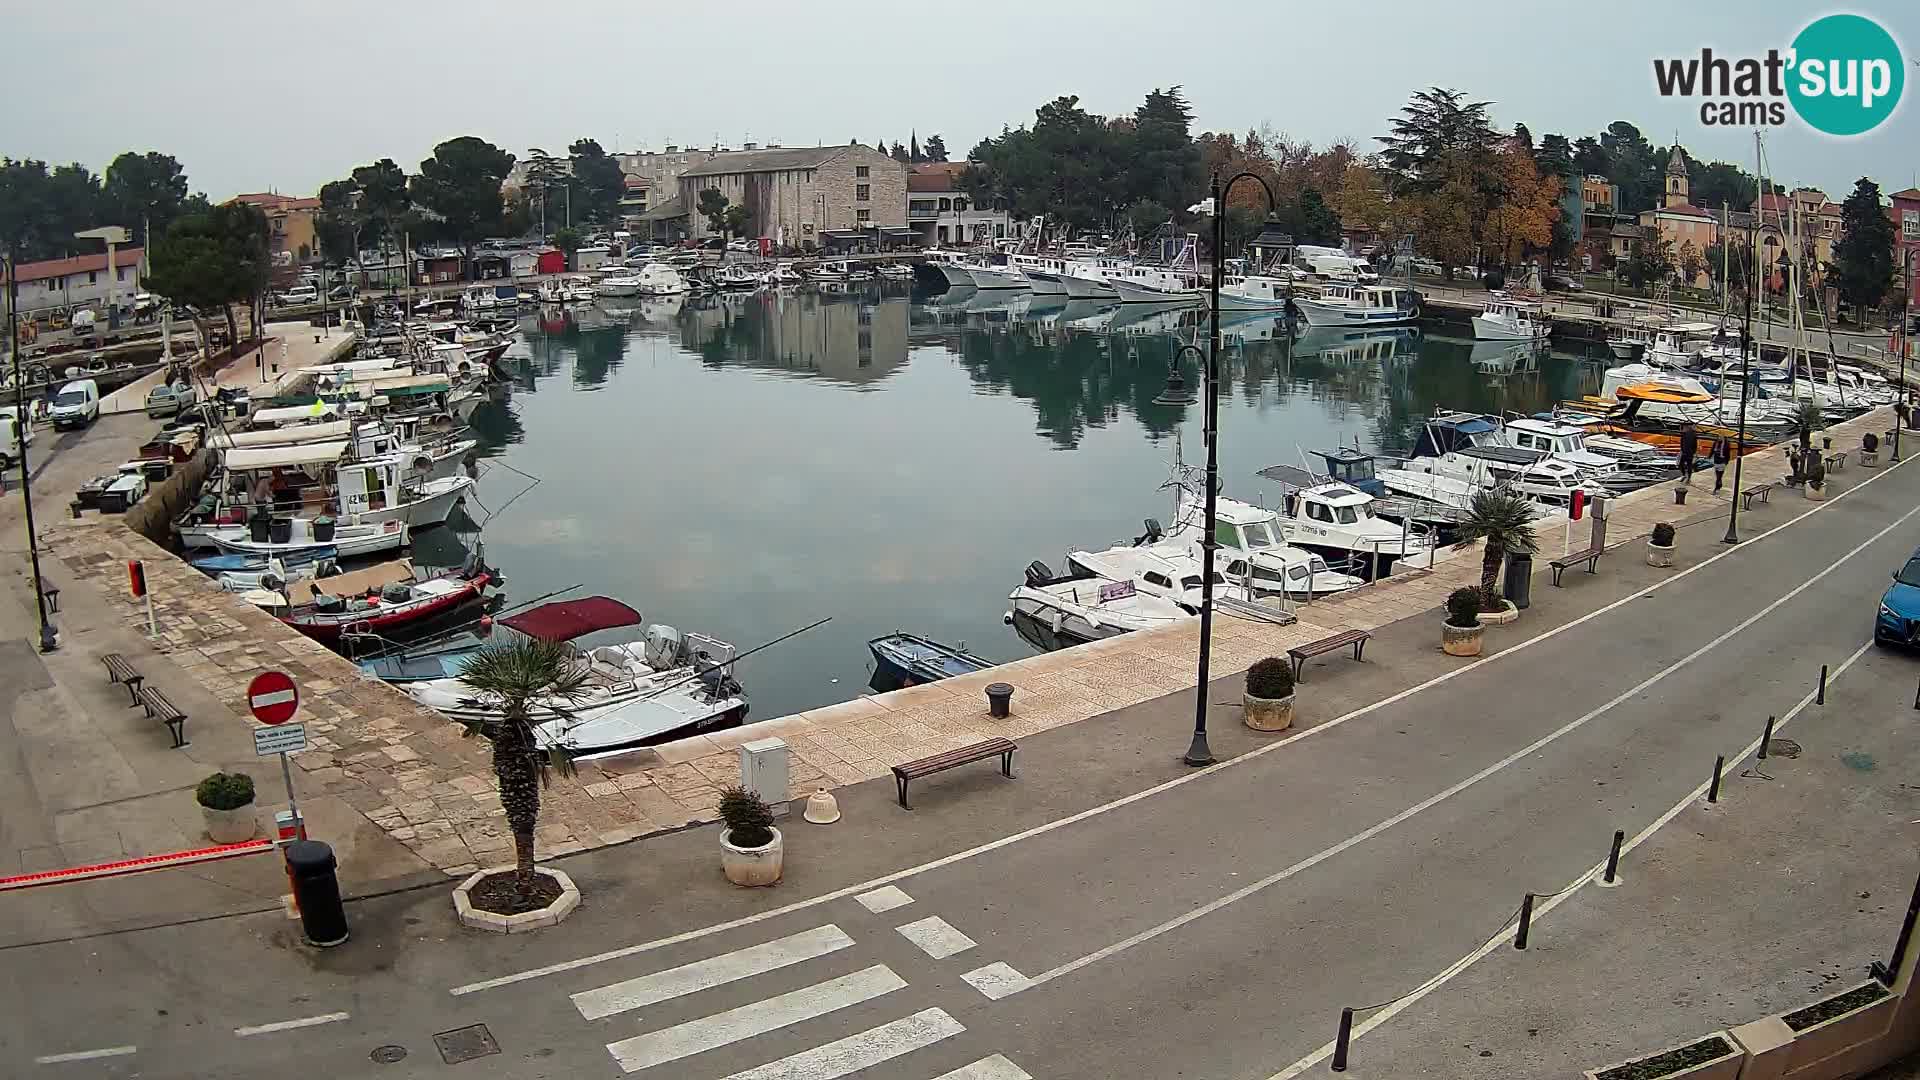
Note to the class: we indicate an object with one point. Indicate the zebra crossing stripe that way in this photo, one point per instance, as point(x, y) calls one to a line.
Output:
point(758, 1018)
point(988, 1068)
point(714, 971)
point(856, 1052)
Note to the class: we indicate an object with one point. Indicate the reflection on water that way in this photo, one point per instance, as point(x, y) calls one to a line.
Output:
point(744, 464)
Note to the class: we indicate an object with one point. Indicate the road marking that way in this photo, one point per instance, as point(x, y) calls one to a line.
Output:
point(1184, 778)
point(714, 971)
point(1431, 801)
point(884, 900)
point(289, 1025)
point(85, 1055)
point(856, 1052)
point(996, 980)
point(936, 937)
point(758, 1018)
point(1448, 973)
point(988, 1068)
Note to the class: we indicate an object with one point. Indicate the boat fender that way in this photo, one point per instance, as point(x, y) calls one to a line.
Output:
point(484, 628)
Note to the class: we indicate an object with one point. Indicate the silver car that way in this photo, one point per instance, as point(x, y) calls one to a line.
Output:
point(165, 400)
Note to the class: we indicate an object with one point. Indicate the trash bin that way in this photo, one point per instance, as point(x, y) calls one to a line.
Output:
point(259, 525)
point(281, 531)
point(1518, 587)
point(316, 891)
point(323, 529)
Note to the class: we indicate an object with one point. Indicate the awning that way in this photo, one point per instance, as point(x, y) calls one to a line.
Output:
point(275, 457)
point(570, 619)
point(293, 433)
point(290, 414)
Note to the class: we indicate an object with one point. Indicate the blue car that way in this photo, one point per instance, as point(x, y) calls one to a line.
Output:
point(1899, 620)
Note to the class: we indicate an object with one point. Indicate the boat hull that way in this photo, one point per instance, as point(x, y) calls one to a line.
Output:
point(1086, 288)
point(1485, 329)
point(1317, 313)
point(1045, 284)
point(1130, 293)
point(390, 620)
point(349, 541)
point(994, 277)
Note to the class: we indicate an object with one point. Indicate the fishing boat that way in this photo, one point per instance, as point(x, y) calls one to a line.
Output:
point(1339, 521)
point(1167, 570)
point(1081, 606)
point(952, 268)
point(902, 659)
point(1359, 306)
point(987, 275)
point(619, 282)
point(1256, 292)
point(390, 600)
point(302, 534)
point(254, 563)
point(1507, 319)
point(897, 272)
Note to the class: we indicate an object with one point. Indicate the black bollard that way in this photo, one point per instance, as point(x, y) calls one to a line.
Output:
point(1526, 922)
point(1916, 698)
point(1679, 496)
point(1766, 739)
point(1613, 856)
point(999, 700)
point(1340, 1041)
point(1820, 697)
point(316, 892)
point(1713, 789)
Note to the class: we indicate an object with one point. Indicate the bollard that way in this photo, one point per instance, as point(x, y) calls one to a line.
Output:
point(1916, 697)
point(1340, 1041)
point(999, 700)
point(317, 892)
point(1713, 789)
point(1766, 739)
point(1820, 697)
point(1526, 921)
point(1679, 496)
point(1613, 856)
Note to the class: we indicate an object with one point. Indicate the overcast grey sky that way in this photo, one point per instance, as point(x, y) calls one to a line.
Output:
point(252, 96)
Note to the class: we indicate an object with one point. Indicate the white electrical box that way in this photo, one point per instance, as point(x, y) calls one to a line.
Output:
point(763, 771)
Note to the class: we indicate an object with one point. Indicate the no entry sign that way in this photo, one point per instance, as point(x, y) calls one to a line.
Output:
point(272, 697)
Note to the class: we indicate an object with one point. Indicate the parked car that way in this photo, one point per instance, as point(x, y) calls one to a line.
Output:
point(13, 435)
point(1426, 266)
point(76, 405)
point(748, 245)
point(300, 294)
point(1564, 282)
point(1898, 622)
point(166, 400)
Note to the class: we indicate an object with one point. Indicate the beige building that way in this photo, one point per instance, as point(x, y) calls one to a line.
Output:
point(1686, 228)
point(799, 194)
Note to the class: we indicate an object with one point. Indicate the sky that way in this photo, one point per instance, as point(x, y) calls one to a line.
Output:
point(286, 96)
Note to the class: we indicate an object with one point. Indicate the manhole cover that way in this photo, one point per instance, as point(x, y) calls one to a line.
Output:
point(1785, 748)
point(465, 1044)
point(387, 1055)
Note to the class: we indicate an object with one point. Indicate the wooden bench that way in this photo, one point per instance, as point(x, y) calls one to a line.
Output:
point(1836, 461)
point(119, 671)
point(1300, 654)
point(1590, 556)
point(1762, 492)
point(159, 708)
point(980, 751)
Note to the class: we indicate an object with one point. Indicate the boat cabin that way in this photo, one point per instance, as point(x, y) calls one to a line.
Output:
point(1354, 468)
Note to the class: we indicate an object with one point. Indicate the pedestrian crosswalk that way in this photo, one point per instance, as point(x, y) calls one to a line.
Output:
point(715, 971)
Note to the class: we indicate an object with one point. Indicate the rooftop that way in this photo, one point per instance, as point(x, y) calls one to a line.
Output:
point(79, 264)
point(752, 161)
point(269, 200)
point(937, 177)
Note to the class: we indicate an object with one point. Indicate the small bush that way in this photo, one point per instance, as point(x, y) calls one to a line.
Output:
point(1663, 535)
point(225, 791)
point(1271, 679)
point(748, 818)
point(1870, 442)
point(1463, 607)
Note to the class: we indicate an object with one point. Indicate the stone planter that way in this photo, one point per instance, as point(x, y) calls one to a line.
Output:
point(550, 915)
point(1721, 1066)
point(229, 826)
point(1505, 615)
point(1869, 459)
point(752, 867)
point(1461, 640)
point(1837, 1034)
point(1658, 555)
point(1815, 494)
point(1267, 714)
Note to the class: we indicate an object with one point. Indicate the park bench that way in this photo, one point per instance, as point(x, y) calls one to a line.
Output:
point(159, 708)
point(1762, 492)
point(119, 671)
point(1836, 461)
point(980, 751)
point(1300, 654)
point(1590, 556)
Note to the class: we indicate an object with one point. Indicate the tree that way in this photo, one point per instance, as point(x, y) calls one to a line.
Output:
point(1863, 259)
point(1588, 157)
point(461, 184)
point(1633, 166)
point(1310, 219)
point(144, 191)
point(1503, 518)
point(1519, 218)
point(713, 207)
point(598, 178)
point(568, 240)
point(1689, 262)
point(899, 153)
point(738, 220)
point(384, 202)
point(1720, 184)
point(1730, 265)
point(1162, 162)
point(341, 220)
point(936, 148)
point(514, 676)
point(212, 261)
point(913, 148)
point(1434, 126)
point(1650, 262)
point(23, 213)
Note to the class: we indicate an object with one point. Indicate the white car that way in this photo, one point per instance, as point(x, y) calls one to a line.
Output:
point(302, 294)
point(76, 405)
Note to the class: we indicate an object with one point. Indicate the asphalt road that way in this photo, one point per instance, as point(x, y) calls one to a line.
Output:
point(1211, 927)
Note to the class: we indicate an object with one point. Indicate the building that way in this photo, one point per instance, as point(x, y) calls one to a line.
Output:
point(291, 239)
point(1905, 213)
point(78, 282)
point(1678, 222)
point(796, 195)
point(1813, 216)
point(942, 213)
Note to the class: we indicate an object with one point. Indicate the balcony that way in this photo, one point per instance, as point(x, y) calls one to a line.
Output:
point(915, 213)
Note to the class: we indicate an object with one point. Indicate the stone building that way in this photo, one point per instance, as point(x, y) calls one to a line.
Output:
point(941, 212)
point(797, 194)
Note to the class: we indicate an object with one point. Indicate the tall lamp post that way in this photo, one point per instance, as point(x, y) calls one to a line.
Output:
point(1198, 752)
point(49, 641)
point(1906, 322)
point(1747, 349)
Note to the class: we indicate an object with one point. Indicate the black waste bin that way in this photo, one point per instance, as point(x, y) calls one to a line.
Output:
point(317, 892)
point(281, 532)
point(259, 525)
point(1518, 587)
point(323, 529)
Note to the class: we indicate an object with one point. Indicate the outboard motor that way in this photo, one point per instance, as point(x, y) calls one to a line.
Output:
point(1153, 535)
point(1038, 573)
point(665, 647)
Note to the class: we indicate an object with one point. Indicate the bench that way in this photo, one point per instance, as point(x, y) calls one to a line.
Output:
point(1590, 556)
point(980, 751)
point(119, 671)
point(1300, 654)
point(1762, 492)
point(1836, 461)
point(159, 708)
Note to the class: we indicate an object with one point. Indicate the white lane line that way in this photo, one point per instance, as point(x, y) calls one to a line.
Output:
point(1448, 973)
point(758, 1018)
point(884, 900)
point(936, 937)
point(988, 1068)
point(856, 1052)
point(85, 1055)
point(996, 980)
point(1435, 799)
point(714, 971)
point(1184, 778)
point(289, 1025)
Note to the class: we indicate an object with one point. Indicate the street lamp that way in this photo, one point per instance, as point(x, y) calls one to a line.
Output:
point(1747, 349)
point(49, 641)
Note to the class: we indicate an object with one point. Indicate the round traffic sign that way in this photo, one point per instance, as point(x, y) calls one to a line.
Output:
point(272, 697)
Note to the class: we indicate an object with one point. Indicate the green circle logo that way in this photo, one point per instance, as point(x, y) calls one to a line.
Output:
point(1847, 75)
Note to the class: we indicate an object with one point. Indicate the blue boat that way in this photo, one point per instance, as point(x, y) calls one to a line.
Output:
point(401, 668)
point(909, 660)
point(242, 562)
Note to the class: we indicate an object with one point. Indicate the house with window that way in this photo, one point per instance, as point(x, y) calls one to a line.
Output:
point(942, 213)
point(82, 281)
point(290, 234)
point(1677, 221)
point(794, 195)
point(1905, 213)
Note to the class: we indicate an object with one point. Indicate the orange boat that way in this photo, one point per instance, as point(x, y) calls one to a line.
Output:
point(1624, 418)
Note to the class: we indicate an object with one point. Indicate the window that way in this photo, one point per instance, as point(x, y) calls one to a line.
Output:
point(862, 192)
point(861, 171)
point(946, 204)
point(1226, 535)
point(863, 215)
point(1910, 224)
point(1162, 580)
point(960, 205)
point(1345, 515)
point(1318, 512)
point(93, 277)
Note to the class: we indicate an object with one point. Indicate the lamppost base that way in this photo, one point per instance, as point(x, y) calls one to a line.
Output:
point(1199, 754)
point(49, 638)
point(1731, 537)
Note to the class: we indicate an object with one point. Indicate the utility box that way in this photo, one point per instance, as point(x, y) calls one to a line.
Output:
point(763, 771)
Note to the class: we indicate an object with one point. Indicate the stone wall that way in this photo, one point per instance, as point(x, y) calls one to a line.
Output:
point(153, 516)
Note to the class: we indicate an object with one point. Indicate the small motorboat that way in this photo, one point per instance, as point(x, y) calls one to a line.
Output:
point(902, 659)
point(389, 600)
point(302, 535)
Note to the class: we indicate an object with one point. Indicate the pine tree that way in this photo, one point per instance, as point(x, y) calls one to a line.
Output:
point(1863, 259)
point(913, 148)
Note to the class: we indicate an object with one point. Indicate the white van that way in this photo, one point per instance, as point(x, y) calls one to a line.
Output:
point(76, 405)
point(14, 433)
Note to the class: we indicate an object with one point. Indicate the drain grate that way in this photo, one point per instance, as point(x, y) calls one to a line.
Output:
point(387, 1055)
point(465, 1044)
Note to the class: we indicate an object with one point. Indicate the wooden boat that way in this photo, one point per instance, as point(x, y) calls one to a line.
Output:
point(902, 659)
point(390, 599)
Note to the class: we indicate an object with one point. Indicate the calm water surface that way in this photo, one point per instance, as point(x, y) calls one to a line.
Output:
point(746, 464)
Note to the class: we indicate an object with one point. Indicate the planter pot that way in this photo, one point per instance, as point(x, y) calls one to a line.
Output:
point(1841, 1032)
point(229, 826)
point(1869, 459)
point(1268, 714)
point(478, 919)
point(1659, 556)
point(1505, 615)
point(751, 867)
point(1461, 640)
point(1815, 494)
point(1720, 1066)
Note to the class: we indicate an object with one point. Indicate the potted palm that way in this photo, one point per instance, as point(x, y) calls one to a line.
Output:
point(751, 850)
point(1460, 634)
point(511, 675)
point(1660, 545)
point(1814, 471)
point(1269, 695)
point(226, 804)
point(1503, 519)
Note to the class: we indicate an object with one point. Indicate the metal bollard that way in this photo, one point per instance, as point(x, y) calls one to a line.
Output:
point(1341, 1040)
point(323, 918)
point(1526, 922)
point(1679, 496)
point(1820, 697)
point(1613, 856)
point(1766, 739)
point(1713, 789)
point(1916, 697)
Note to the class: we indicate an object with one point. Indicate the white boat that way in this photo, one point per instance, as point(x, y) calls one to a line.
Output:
point(1256, 292)
point(479, 298)
point(1472, 449)
point(1251, 548)
point(989, 276)
point(1360, 306)
point(828, 271)
point(621, 282)
point(896, 272)
point(1178, 282)
point(1507, 319)
point(1089, 279)
point(782, 273)
point(952, 266)
point(1168, 571)
point(1337, 519)
point(377, 491)
point(659, 279)
point(1085, 607)
point(576, 289)
point(1042, 273)
point(349, 541)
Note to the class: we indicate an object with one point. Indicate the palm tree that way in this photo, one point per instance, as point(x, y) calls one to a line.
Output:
point(1504, 519)
point(516, 673)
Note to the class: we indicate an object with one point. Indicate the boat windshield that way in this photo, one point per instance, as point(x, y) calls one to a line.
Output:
point(1260, 535)
point(1910, 573)
point(1345, 515)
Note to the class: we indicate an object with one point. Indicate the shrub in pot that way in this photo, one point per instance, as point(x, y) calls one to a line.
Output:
point(1460, 634)
point(750, 847)
point(1814, 471)
point(1660, 545)
point(226, 803)
point(1869, 450)
point(1269, 695)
